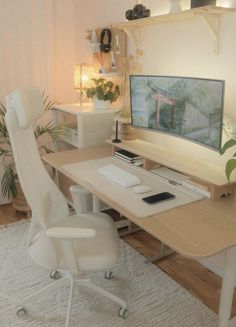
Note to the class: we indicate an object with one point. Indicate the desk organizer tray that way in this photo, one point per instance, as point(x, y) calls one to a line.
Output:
point(85, 173)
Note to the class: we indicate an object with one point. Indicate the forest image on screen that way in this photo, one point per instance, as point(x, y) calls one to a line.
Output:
point(187, 107)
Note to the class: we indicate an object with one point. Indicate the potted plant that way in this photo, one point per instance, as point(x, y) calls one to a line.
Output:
point(45, 134)
point(231, 163)
point(103, 93)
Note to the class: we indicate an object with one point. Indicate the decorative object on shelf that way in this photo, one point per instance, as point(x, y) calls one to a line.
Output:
point(116, 139)
point(105, 46)
point(117, 47)
point(10, 185)
point(102, 90)
point(176, 6)
point(113, 62)
point(82, 79)
point(127, 131)
point(94, 45)
point(139, 11)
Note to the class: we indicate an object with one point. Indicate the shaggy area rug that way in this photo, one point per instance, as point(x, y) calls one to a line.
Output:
point(154, 299)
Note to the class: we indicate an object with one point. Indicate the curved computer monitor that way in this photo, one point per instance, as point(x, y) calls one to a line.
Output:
point(191, 108)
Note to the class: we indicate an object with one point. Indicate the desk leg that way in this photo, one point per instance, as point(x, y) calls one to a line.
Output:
point(164, 252)
point(227, 290)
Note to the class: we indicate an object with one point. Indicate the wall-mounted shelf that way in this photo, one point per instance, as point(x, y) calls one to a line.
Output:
point(210, 14)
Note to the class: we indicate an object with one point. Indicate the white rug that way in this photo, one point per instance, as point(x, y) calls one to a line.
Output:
point(154, 299)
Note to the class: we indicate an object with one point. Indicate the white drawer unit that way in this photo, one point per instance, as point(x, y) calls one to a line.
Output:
point(84, 126)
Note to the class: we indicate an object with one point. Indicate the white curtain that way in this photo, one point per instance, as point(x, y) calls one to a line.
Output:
point(37, 48)
point(26, 44)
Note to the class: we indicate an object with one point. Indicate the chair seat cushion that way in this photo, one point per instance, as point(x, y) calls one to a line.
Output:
point(97, 253)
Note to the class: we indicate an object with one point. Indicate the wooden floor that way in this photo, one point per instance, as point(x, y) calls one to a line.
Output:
point(198, 280)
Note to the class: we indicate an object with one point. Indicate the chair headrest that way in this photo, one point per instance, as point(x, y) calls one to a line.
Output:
point(28, 104)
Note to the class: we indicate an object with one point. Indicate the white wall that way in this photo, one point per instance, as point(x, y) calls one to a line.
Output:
point(37, 46)
point(64, 49)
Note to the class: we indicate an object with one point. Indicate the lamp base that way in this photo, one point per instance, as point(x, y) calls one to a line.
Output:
point(116, 141)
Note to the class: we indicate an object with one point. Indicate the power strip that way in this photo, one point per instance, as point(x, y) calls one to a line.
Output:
point(170, 175)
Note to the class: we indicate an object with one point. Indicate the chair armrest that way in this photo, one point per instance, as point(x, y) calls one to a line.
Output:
point(70, 232)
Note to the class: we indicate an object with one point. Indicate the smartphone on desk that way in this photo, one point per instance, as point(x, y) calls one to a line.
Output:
point(159, 197)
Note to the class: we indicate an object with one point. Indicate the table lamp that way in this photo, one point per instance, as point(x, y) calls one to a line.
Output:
point(82, 78)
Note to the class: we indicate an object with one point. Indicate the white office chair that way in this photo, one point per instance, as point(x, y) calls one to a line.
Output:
point(78, 243)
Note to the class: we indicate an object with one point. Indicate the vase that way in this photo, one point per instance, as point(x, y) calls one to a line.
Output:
point(128, 132)
point(100, 104)
point(175, 6)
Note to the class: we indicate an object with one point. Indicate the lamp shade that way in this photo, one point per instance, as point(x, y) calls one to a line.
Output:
point(82, 76)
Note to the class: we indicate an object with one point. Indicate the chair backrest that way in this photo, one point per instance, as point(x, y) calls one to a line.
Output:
point(47, 203)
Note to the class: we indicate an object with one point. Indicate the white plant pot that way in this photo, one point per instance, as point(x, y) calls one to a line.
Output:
point(100, 104)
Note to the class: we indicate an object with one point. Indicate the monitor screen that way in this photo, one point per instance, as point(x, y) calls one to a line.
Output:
point(191, 108)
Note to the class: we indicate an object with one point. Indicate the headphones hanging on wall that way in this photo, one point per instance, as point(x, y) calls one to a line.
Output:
point(105, 47)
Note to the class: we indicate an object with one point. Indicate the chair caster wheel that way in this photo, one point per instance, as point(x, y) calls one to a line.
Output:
point(123, 313)
point(20, 311)
point(54, 274)
point(108, 275)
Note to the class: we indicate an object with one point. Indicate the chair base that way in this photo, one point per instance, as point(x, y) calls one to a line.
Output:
point(74, 281)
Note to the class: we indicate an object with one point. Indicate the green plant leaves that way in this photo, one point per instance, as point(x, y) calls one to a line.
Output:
point(228, 145)
point(55, 132)
point(231, 163)
point(2, 110)
point(229, 167)
point(103, 90)
point(8, 183)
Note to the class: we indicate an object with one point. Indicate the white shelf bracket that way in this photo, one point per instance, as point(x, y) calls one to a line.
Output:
point(213, 24)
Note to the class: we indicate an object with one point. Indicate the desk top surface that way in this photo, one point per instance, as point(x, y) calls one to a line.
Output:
point(197, 230)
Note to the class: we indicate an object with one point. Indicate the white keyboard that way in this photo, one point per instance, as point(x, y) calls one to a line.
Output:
point(119, 176)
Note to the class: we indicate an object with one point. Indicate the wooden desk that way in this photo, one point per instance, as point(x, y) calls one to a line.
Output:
point(196, 230)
